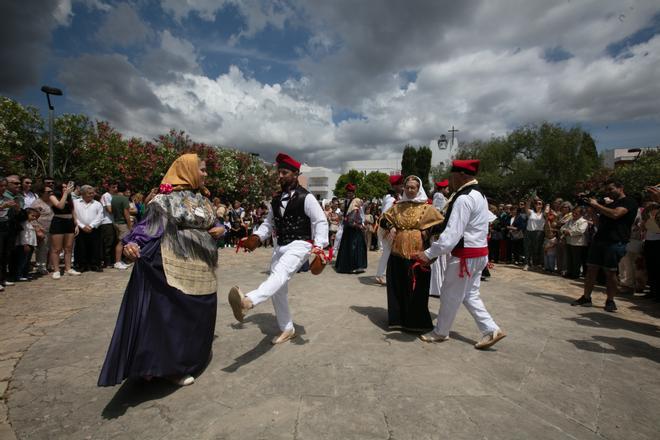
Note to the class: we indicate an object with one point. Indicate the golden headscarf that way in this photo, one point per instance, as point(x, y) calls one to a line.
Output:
point(184, 173)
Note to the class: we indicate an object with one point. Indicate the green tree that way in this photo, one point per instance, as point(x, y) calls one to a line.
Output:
point(588, 160)
point(543, 159)
point(643, 172)
point(423, 165)
point(409, 161)
point(22, 142)
point(439, 172)
point(353, 176)
point(374, 186)
point(70, 134)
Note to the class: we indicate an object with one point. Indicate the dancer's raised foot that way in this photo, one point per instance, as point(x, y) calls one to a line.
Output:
point(239, 303)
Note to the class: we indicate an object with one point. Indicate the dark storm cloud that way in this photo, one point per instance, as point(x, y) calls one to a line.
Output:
point(162, 66)
point(24, 38)
point(379, 39)
point(123, 27)
point(110, 86)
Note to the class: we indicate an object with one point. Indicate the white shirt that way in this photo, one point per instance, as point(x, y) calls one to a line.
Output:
point(576, 230)
point(439, 201)
point(312, 210)
point(88, 214)
point(468, 220)
point(387, 202)
point(27, 235)
point(28, 198)
point(106, 200)
point(535, 221)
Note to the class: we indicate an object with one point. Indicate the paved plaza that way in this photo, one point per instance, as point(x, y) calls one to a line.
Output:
point(562, 372)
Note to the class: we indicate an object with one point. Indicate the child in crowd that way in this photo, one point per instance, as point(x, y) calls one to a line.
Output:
point(550, 254)
point(26, 241)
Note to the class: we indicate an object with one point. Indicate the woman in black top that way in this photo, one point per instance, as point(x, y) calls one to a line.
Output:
point(63, 229)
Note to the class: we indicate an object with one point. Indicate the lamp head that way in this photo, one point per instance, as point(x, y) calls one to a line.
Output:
point(51, 90)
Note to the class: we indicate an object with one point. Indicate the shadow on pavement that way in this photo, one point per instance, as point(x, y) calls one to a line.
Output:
point(377, 315)
point(556, 297)
point(369, 281)
point(134, 392)
point(402, 336)
point(459, 337)
point(267, 324)
point(647, 307)
point(607, 320)
point(626, 347)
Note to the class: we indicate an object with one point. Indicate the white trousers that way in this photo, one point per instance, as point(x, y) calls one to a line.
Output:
point(456, 290)
point(285, 263)
point(437, 273)
point(387, 248)
point(335, 247)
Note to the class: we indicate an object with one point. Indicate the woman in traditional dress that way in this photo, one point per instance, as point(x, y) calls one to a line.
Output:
point(410, 223)
point(352, 253)
point(167, 317)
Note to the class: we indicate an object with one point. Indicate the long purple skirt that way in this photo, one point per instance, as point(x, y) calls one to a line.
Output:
point(160, 330)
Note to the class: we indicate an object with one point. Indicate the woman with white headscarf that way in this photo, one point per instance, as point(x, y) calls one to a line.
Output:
point(410, 223)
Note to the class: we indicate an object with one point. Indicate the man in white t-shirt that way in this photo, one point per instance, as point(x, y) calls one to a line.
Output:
point(106, 228)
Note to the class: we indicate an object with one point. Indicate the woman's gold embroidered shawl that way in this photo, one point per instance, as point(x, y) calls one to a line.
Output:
point(410, 219)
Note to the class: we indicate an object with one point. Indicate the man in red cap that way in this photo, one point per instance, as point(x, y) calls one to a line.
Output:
point(352, 253)
point(396, 184)
point(298, 221)
point(464, 241)
point(441, 193)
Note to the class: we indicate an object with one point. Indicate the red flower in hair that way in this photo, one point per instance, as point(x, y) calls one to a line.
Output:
point(165, 188)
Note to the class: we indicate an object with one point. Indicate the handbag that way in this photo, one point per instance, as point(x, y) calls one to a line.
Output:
point(517, 235)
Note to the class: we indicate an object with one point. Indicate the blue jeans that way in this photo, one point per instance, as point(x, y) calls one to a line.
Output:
point(550, 261)
point(22, 262)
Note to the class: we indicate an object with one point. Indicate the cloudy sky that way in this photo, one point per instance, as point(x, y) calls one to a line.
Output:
point(343, 79)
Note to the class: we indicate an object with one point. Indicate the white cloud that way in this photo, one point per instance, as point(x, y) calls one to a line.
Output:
point(479, 67)
point(258, 14)
point(63, 12)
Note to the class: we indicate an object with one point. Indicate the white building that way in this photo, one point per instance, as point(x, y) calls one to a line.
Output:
point(620, 156)
point(387, 166)
point(319, 181)
point(443, 150)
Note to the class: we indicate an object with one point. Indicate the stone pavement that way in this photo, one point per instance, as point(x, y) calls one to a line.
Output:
point(562, 372)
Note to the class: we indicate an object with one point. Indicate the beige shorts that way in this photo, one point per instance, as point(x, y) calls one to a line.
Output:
point(121, 230)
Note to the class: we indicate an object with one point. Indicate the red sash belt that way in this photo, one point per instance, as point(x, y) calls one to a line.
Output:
point(464, 254)
point(423, 267)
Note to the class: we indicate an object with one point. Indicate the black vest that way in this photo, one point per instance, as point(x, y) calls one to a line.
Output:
point(465, 190)
point(294, 224)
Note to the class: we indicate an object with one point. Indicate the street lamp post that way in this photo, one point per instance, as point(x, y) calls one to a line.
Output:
point(55, 92)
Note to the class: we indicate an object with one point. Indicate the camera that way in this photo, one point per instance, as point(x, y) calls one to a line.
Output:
point(584, 197)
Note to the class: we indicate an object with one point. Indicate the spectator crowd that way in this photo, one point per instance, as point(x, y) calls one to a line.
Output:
point(613, 239)
point(49, 228)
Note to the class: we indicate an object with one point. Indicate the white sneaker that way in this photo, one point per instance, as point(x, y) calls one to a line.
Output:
point(120, 265)
point(72, 272)
point(9, 283)
point(183, 381)
point(57, 275)
point(2, 288)
point(525, 267)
